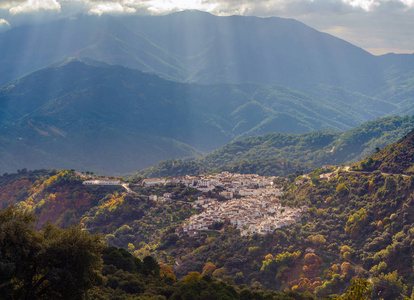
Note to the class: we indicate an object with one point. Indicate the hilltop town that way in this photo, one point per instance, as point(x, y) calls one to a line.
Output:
point(252, 203)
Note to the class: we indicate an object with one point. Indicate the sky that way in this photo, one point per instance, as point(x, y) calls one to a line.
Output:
point(378, 26)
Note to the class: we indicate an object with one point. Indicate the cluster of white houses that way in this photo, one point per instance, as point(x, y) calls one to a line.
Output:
point(262, 214)
point(253, 206)
point(230, 182)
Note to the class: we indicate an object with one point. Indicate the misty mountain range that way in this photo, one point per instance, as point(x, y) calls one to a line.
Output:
point(116, 94)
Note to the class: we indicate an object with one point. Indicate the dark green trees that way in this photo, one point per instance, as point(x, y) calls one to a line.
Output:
point(51, 264)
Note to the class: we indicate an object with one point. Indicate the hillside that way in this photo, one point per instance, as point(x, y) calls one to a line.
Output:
point(397, 158)
point(87, 115)
point(283, 154)
point(357, 224)
point(102, 39)
point(203, 52)
point(56, 263)
point(194, 46)
point(265, 50)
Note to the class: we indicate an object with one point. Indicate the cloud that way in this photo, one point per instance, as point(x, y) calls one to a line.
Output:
point(110, 7)
point(4, 25)
point(366, 5)
point(409, 3)
point(162, 6)
point(264, 7)
point(220, 7)
point(4, 22)
point(18, 7)
point(370, 24)
point(149, 6)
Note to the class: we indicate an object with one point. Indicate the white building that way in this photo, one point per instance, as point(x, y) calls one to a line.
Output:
point(102, 181)
point(153, 181)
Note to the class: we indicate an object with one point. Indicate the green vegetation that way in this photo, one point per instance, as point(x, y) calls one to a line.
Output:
point(51, 264)
point(364, 232)
point(397, 158)
point(71, 264)
point(357, 224)
point(55, 196)
point(155, 119)
point(277, 154)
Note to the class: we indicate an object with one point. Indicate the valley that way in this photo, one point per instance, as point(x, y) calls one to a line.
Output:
point(80, 104)
point(194, 156)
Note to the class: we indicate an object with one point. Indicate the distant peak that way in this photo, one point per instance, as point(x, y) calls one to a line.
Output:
point(84, 60)
point(192, 13)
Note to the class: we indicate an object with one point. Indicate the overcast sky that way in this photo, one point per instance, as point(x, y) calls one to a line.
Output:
point(379, 26)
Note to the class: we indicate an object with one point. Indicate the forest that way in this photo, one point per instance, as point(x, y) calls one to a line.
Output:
point(277, 154)
point(358, 230)
point(56, 263)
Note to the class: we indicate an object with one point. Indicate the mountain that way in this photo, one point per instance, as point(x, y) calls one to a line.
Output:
point(31, 47)
point(194, 46)
point(84, 114)
point(264, 50)
point(224, 78)
point(283, 154)
point(198, 47)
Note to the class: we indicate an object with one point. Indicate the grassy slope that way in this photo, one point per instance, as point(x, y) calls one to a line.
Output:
point(283, 154)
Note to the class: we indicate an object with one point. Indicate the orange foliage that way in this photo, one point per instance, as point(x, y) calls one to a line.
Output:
point(209, 268)
point(220, 272)
point(9, 192)
point(166, 271)
point(312, 259)
point(346, 269)
point(56, 205)
point(304, 285)
point(191, 277)
point(269, 256)
point(312, 265)
point(221, 259)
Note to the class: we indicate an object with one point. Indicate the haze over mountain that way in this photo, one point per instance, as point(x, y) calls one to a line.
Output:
point(228, 78)
point(199, 47)
point(86, 114)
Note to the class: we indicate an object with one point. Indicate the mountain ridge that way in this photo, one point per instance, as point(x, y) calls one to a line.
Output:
point(76, 100)
point(283, 154)
point(199, 47)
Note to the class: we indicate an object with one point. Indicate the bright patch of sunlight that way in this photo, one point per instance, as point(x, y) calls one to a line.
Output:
point(160, 6)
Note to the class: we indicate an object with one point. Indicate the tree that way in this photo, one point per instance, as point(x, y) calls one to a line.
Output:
point(356, 222)
point(342, 189)
point(51, 264)
point(389, 286)
point(151, 266)
point(360, 289)
point(167, 272)
point(191, 277)
point(209, 268)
